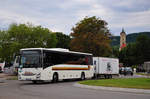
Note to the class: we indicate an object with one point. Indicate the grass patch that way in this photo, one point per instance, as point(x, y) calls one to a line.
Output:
point(12, 78)
point(139, 83)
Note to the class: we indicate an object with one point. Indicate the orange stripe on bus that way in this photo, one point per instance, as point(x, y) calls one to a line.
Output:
point(70, 68)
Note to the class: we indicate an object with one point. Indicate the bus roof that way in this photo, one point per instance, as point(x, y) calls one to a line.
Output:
point(57, 50)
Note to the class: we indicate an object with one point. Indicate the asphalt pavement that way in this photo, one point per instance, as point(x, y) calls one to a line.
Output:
point(130, 90)
point(13, 89)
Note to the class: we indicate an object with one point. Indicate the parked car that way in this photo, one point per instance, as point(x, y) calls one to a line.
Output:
point(126, 71)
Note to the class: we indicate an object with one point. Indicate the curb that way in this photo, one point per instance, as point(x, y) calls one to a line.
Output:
point(113, 89)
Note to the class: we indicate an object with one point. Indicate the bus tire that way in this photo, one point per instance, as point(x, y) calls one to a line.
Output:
point(34, 81)
point(110, 76)
point(94, 76)
point(82, 76)
point(55, 78)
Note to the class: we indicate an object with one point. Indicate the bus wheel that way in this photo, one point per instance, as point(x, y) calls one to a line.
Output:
point(82, 76)
point(34, 81)
point(55, 77)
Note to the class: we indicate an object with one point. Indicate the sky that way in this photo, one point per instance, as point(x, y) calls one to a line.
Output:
point(62, 15)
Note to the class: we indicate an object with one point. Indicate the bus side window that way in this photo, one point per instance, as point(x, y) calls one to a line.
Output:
point(90, 60)
point(17, 59)
point(94, 62)
point(47, 60)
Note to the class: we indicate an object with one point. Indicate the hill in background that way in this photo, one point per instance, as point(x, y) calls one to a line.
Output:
point(130, 38)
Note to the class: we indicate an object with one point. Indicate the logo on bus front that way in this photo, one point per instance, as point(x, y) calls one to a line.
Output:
point(28, 74)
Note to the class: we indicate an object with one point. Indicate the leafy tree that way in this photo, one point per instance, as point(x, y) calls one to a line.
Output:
point(24, 36)
point(136, 53)
point(63, 40)
point(128, 55)
point(3, 45)
point(91, 35)
point(51, 41)
point(115, 51)
point(143, 48)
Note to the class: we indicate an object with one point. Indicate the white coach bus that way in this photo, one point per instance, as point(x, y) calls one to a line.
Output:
point(43, 64)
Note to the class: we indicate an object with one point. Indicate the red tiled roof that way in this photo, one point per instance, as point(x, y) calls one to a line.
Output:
point(123, 45)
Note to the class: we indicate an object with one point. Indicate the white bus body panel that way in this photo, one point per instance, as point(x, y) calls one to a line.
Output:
point(106, 65)
point(47, 73)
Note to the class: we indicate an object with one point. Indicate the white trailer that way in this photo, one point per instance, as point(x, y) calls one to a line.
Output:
point(105, 67)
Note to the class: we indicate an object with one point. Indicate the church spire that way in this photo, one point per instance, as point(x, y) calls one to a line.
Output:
point(123, 30)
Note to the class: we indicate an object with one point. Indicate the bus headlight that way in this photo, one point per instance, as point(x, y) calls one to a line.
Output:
point(19, 76)
point(38, 75)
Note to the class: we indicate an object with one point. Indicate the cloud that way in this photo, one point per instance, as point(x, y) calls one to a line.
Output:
point(132, 22)
point(9, 17)
point(62, 15)
point(135, 19)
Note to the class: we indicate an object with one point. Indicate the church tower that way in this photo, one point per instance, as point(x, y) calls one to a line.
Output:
point(122, 39)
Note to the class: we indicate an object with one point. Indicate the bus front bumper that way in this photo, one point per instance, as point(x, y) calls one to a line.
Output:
point(29, 78)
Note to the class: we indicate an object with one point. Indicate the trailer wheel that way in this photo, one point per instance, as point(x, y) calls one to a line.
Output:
point(82, 76)
point(106, 76)
point(55, 78)
point(109, 76)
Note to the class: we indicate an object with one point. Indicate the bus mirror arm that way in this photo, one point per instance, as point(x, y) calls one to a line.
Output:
point(20, 66)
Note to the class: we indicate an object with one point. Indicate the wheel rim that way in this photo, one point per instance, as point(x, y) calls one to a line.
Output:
point(55, 78)
point(82, 77)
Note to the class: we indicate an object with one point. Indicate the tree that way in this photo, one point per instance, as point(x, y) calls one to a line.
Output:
point(136, 53)
point(91, 35)
point(3, 44)
point(128, 55)
point(143, 48)
point(24, 36)
point(63, 40)
point(115, 51)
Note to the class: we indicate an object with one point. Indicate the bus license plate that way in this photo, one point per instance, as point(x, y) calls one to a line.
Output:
point(28, 79)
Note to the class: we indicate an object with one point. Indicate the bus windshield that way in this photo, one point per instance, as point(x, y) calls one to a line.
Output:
point(30, 59)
